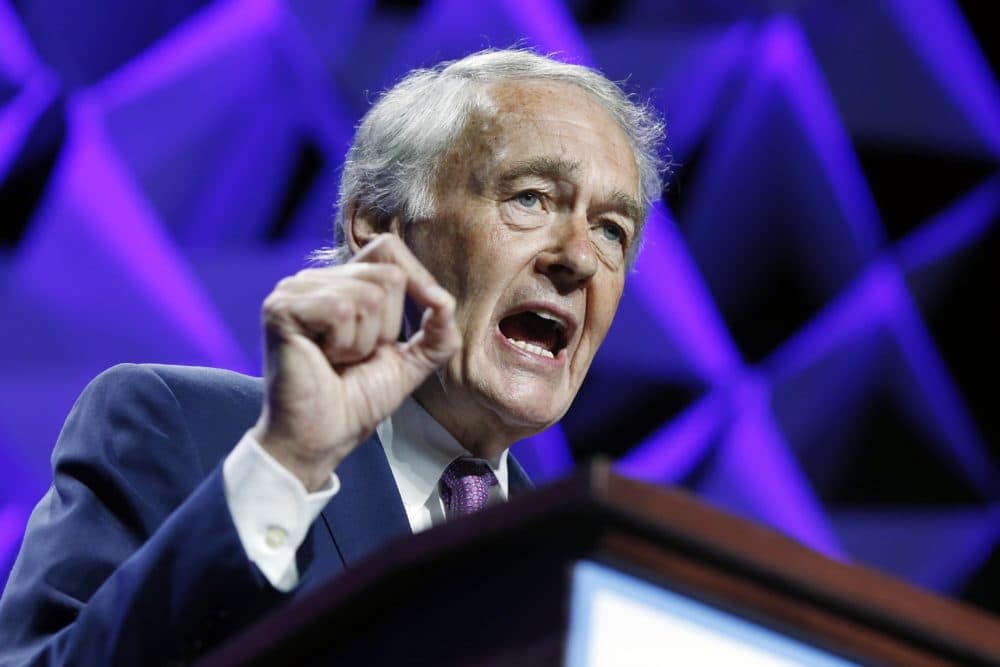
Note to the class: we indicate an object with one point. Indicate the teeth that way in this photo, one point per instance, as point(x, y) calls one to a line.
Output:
point(531, 347)
point(545, 315)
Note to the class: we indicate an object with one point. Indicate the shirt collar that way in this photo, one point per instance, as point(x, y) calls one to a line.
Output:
point(419, 449)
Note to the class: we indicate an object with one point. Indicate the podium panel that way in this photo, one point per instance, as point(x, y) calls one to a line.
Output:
point(617, 619)
point(601, 570)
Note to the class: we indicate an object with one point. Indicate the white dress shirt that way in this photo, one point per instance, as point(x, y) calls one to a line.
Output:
point(419, 449)
point(272, 510)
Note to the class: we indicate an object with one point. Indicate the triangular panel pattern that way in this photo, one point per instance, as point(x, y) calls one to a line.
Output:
point(806, 339)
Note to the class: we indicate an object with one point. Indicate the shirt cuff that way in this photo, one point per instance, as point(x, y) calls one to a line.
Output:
point(271, 509)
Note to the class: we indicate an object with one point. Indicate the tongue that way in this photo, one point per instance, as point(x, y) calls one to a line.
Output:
point(531, 329)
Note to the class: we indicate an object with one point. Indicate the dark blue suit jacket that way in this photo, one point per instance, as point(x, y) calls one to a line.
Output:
point(132, 557)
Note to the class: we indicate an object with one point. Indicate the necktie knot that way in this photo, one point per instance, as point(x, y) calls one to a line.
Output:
point(465, 486)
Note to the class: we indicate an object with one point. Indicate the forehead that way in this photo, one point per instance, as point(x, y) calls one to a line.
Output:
point(519, 121)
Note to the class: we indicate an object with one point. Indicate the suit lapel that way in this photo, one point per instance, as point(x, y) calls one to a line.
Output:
point(518, 481)
point(367, 512)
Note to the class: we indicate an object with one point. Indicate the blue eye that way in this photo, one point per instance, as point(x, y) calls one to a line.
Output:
point(613, 232)
point(528, 199)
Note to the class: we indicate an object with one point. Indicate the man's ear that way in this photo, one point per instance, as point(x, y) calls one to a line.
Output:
point(365, 224)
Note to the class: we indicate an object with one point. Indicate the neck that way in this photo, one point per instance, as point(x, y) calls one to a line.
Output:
point(479, 430)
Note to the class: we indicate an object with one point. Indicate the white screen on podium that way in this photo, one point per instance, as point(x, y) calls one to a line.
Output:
point(620, 620)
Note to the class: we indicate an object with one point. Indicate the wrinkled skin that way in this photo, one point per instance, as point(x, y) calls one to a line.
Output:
point(536, 208)
point(555, 236)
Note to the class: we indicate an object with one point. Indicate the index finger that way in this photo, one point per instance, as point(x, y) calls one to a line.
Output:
point(420, 283)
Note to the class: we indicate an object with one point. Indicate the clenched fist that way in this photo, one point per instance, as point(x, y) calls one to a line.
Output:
point(334, 365)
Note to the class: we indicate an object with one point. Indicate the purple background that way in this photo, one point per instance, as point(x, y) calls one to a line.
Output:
point(807, 338)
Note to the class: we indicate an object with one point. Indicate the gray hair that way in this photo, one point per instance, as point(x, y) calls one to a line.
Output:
point(402, 141)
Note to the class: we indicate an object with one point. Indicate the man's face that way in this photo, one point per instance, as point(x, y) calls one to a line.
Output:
point(537, 207)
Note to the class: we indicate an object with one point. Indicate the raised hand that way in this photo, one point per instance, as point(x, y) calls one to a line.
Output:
point(334, 365)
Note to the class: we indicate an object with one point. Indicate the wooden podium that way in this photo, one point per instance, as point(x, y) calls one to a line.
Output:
point(496, 589)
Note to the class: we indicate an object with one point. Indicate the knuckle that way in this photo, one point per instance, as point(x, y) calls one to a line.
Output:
point(275, 304)
point(342, 309)
point(370, 298)
point(285, 284)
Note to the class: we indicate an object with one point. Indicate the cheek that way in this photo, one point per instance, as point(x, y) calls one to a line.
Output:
point(606, 301)
point(441, 247)
point(604, 306)
point(479, 266)
point(470, 266)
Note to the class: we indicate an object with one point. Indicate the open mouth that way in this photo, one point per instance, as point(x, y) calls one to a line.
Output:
point(538, 332)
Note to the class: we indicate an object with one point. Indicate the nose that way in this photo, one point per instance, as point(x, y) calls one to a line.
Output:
point(569, 260)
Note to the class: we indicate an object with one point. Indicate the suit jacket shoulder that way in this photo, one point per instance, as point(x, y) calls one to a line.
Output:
point(132, 556)
point(132, 552)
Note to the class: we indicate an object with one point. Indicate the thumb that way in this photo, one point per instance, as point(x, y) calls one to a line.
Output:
point(438, 338)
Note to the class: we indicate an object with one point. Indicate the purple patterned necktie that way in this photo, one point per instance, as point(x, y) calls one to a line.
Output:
point(465, 487)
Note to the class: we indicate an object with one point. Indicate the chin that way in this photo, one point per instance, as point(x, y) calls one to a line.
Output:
point(522, 402)
point(529, 414)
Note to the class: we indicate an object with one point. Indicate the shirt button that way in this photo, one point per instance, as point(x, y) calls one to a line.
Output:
point(275, 537)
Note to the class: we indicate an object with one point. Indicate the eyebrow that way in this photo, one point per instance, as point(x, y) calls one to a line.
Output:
point(557, 169)
point(625, 204)
point(542, 167)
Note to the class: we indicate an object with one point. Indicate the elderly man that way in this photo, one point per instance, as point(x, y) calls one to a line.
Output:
point(490, 209)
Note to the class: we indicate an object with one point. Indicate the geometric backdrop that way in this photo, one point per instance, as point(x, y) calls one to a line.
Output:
point(807, 339)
